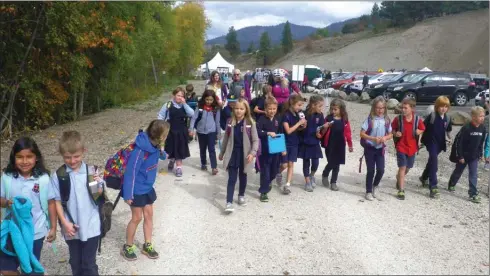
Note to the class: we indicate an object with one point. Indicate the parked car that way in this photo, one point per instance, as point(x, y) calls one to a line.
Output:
point(379, 89)
point(356, 86)
point(426, 87)
point(480, 84)
point(320, 83)
point(478, 97)
point(350, 78)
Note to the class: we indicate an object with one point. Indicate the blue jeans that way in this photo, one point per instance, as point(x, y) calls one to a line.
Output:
point(472, 175)
point(207, 141)
point(375, 161)
point(430, 171)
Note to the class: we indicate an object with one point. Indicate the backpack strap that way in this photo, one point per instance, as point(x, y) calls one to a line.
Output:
point(7, 182)
point(169, 104)
point(370, 122)
point(400, 123)
point(415, 126)
point(432, 117)
point(64, 184)
point(387, 126)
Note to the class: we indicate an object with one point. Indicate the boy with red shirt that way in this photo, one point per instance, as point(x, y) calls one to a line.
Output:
point(407, 130)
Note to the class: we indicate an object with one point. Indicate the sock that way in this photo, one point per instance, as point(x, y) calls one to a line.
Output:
point(288, 184)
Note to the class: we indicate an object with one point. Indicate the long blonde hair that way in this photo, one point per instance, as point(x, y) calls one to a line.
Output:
point(247, 117)
point(284, 83)
point(377, 100)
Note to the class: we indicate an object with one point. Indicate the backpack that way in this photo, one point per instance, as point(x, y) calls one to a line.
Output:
point(453, 156)
point(400, 127)
point(199, 117)
point(248, 129)
point(253, 104)
point(115, 167)
point(370, 122)
point(105, 206)
point(169, 104)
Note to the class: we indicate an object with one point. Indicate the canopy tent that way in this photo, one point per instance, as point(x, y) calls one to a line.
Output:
point(425, 69)
point(217, 62)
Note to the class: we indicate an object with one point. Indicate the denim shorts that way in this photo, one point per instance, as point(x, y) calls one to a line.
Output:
point(404, 160)
point(143, 200)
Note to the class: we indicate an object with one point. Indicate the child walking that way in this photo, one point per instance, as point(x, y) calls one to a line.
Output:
point(79, 218)
point(437, 132)
point(238, 150)
point(375, 131)
point(258, 104)
point(206, 123)
point(137, 189)
point(467, 150)
point(227, 111)
point(336, 134)
point(26, 176)
point(268, 125)
point(292, 123)
point(407, 130)
point(309, 149)
point(175, 112)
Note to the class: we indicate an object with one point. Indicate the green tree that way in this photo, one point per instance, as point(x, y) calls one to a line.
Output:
point(323, 32)
point(251, 47)
point(264, 48)
point(232, 44)
point(287, 38)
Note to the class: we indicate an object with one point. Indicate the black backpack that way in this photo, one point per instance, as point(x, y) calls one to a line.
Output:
point(453, 156)
point(199, 117)
point(103, 203)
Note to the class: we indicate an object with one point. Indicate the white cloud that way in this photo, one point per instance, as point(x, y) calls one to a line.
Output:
point(243, 14)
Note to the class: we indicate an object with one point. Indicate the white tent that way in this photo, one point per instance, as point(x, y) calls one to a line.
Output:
point(217, 62)
point(425, 69)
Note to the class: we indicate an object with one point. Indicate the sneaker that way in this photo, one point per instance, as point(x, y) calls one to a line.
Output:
point(369, 196)
point(451, 188)
point(325, 181)
point(241, 200)
point(264, 198)
point(475, 199)
point(376, 193)
point(204, 168)
point(279, 179)
point(171, 164)
point(178, 172)
point(286, 190)
point(229, 207)
point(128, 252)
point(313, 181)
point(215, 171)
point(149, 251)
point(434, 193)
point(308, 187)
point(334, 187)
point(400, 195)
point(424, 182)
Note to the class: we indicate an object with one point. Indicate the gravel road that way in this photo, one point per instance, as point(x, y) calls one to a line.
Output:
point(323, 232)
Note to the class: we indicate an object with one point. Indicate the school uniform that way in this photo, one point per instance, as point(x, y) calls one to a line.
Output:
point(28, 188)
point(309, 148)
point(434, 139)
point(207, 129)
point(335, 139)
point(260, 105)
point(292, 140)
point(224, 116)
point(83, 246)
point(470, 148)
point(407, 146)
point(176, 145)
point(269, 163)
point(375, 153)
point(236, 146)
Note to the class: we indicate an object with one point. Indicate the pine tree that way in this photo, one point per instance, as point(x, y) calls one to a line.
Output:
point(251, 47)
point(264, 47)
point(232, 44)
point(287, 38)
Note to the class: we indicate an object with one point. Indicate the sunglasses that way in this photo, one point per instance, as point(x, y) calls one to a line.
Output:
point(236, 74)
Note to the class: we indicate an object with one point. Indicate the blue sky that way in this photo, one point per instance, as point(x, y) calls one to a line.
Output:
point(309, 13)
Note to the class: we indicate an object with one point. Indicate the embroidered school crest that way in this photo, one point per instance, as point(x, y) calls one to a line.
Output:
point(36, 188)
point(276, 123)
point(317, 120)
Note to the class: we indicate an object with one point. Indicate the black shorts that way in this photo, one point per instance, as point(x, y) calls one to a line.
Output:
point(143, 200)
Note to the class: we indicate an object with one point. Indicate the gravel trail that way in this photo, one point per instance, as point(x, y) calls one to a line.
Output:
point(323, 232)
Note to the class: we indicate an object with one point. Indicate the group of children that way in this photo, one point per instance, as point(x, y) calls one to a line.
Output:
point(244, 141)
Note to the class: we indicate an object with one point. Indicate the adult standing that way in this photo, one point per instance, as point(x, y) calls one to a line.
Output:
point(305, 82)
point(365, 80)
point(258, 80)
point(281, 88)
point(238, 82)
point(328, 76)
point(219, 88)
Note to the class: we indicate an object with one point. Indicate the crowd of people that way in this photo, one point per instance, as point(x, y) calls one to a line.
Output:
point(225, 114)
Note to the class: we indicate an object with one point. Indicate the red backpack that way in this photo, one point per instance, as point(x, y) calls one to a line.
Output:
point(248, 129)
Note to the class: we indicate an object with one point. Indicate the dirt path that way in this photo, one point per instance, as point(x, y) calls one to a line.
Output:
point(323, 232)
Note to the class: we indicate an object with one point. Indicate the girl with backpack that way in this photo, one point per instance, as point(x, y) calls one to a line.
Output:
point(437, 133)
point(175, 112)
point(206, 123)
point(137, 187)
point(238, 150)
point(375, 131)
point(336, 134)
point(309, 149)
point(27, 176)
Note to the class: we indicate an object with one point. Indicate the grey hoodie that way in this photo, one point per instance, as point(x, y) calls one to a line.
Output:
point(207, 124)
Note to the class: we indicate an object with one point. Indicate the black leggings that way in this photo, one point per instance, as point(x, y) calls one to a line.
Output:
point(335, 171)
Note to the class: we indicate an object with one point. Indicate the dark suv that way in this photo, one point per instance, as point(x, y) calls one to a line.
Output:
point(379, 89)
point(426, 87)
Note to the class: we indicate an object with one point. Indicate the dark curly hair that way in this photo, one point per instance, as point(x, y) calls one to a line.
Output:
point(26, 143)
point(207, 93)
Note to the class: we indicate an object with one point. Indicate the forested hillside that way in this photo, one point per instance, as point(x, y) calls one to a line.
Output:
point(61, 60)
